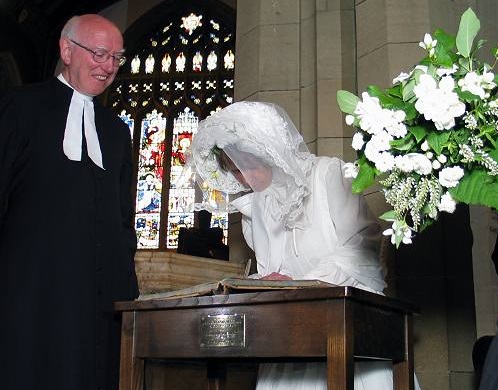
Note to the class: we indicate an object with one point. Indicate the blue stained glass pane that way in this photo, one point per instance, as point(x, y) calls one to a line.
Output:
point(184, 127)
point(150, 164)
point(130, 122)
point(221, 220)
point(147, 228)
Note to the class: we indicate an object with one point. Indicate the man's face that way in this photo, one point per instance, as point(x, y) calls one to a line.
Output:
point(81, 71)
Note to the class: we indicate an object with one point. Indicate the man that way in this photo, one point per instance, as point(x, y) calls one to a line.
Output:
point(66, 234)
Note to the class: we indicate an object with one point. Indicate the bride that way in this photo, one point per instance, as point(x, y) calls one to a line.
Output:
point(298, 215)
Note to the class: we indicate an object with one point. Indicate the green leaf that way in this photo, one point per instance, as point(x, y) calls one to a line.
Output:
point(375, 91)
point(365, 178)
point(388, 101)
point(418, 131)
point(442, 57)
point(437, 140)
point(395, 91)
point(467, 96)
point(480, 43)
point(494, 154)
point(405, 143)
point(467, 31)
point(447, 41)
point(389, 216)
point(424, 225)
point(410, 111)
point(408, 90)
point(382, 95)
point(431, 70)
point(477, 188)
point(464, 64)
point(347, 101)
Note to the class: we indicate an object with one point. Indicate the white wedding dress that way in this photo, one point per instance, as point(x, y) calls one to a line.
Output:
point(301, 219)
point(337, 243)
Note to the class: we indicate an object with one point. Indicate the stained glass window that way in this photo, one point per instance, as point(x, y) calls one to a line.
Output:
point(181, 71)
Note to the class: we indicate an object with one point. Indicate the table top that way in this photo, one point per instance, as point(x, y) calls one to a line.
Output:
point(269, 296)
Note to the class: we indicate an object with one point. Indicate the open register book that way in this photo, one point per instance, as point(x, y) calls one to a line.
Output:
point(235, 285)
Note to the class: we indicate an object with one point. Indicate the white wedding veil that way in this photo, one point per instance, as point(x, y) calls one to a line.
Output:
point(252, 135)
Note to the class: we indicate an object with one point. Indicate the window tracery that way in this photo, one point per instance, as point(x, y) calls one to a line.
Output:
point(174, 80)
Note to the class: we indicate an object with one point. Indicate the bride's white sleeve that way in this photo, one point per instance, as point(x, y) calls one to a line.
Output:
point(247, 231)
point(244, 205)
point(358, 235)
point(354, 224)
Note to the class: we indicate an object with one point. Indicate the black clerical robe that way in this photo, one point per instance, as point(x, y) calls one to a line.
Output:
point(66, 245)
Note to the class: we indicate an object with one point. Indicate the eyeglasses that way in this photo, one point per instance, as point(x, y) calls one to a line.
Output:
point(102, 55)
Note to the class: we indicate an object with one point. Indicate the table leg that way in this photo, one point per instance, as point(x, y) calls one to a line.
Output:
point(131, 368)
point(340, 360)
point(403, 370)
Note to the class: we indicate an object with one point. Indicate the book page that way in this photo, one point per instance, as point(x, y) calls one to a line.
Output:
point(235, 286)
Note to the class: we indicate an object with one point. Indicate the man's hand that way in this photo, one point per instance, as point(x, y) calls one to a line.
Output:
point(276, 276)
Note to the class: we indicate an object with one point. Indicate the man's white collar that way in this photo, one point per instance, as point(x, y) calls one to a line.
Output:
point(81, 111)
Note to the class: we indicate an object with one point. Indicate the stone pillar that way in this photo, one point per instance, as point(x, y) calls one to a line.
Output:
point(336, 69)
point(268, 56)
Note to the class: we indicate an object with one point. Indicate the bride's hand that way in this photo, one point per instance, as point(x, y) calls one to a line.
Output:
point(276, 276)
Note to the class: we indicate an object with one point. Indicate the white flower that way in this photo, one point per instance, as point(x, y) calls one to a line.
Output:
point(370, 114)
point(401, 77)
point(446, 71)
point(436, 165)
point(449, 177)
point(438, 102)
point(378, 143)
point(399, 229)
point(426, 86)
point(371, 153)
point(421, 164)
point(394, 123)
point(350, 170)
point(381, 141)
point(397, 130)
point(385, 162)
point(423, 68)
point(425, 146)
point(374, 119)
point(349, 120)
point(493, 103)
point(442, 158)
point(358, 141)
point(428, 44)
point(414, 162)
point(429, 155)
point(472, 83)
point(487, 81)
point(447, 203)
point(403, 163)
point(477, 84)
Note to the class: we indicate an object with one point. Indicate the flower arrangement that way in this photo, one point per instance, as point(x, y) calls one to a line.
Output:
point(430, 140)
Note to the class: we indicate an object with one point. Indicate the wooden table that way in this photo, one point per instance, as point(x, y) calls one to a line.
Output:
point(339, 323)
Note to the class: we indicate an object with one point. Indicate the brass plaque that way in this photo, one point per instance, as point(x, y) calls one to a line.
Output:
point(223, 330)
